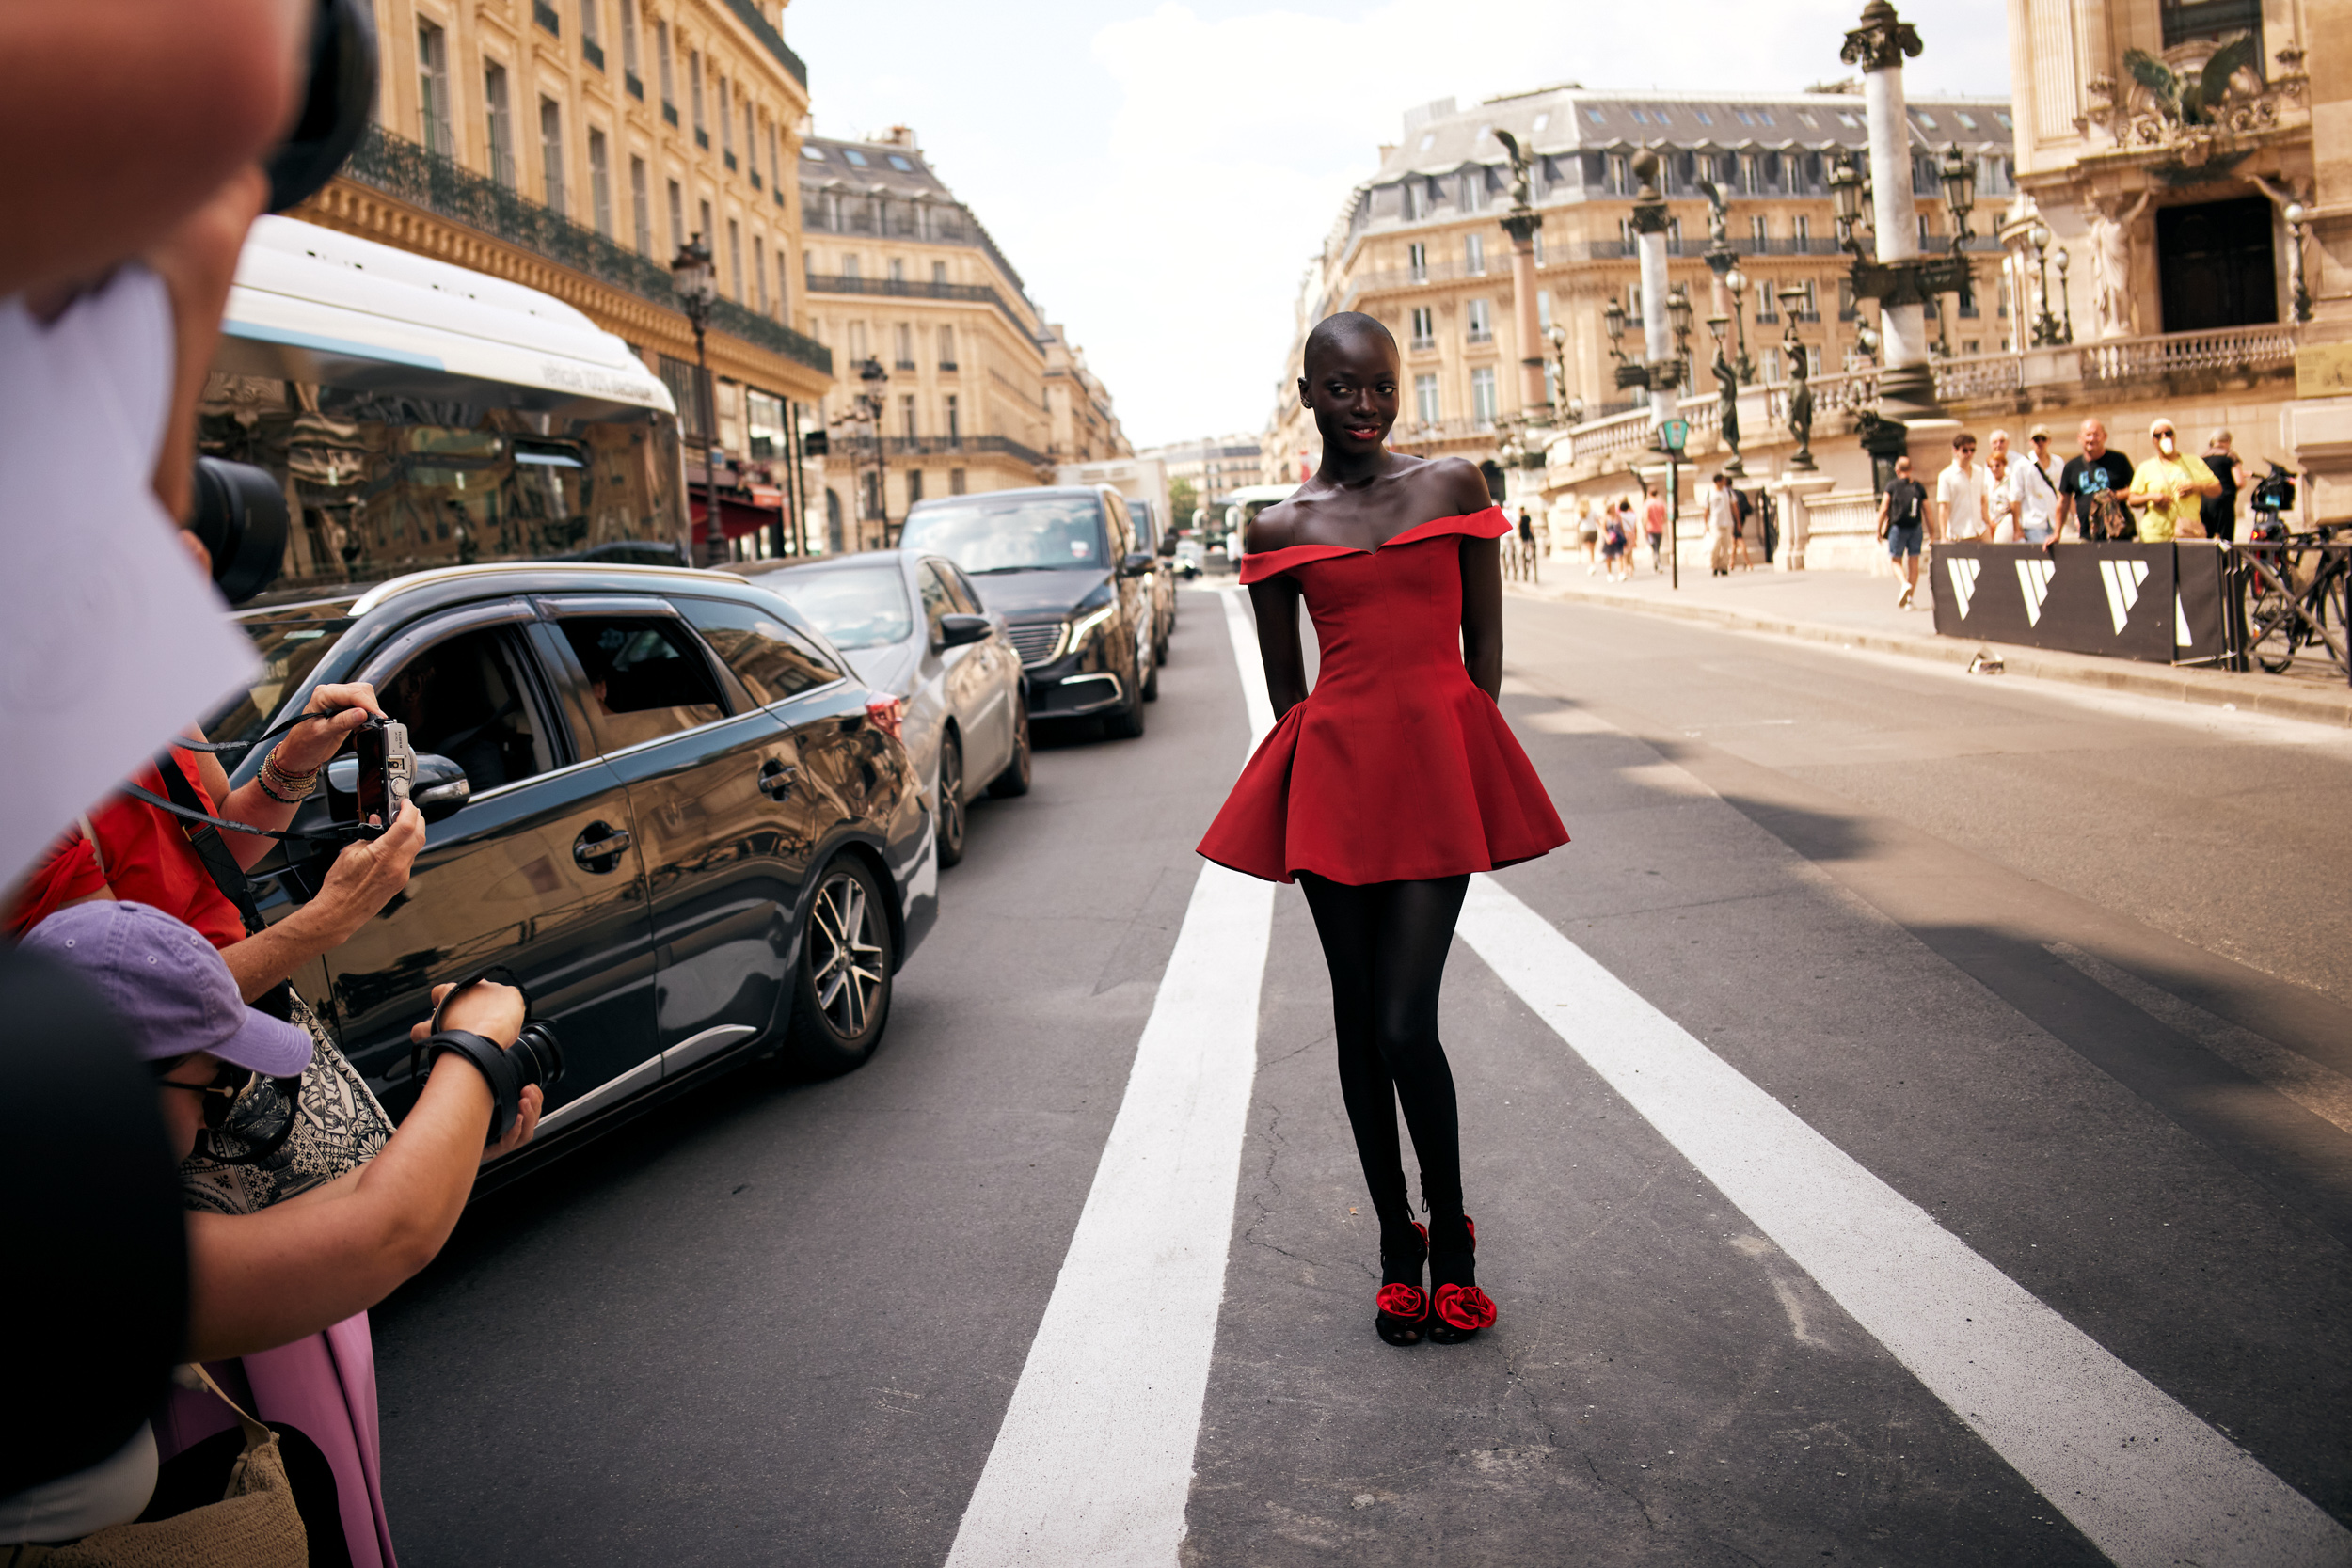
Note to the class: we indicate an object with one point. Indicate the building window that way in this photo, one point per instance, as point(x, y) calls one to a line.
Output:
point(1417, 261)
point(857, 344)
point(1758, 232)
point(955, 433)
point(1474, 254)
point(897, 269)
point(1425, 326)
point(906, 347)
point(678, 217)
point(1967, 302)
point(1473, 190)
point(501, 119)
point(1539, 247)
point(601, 181)
point(1483, 407)
point(661, 65)
point(850, 265)
point(939, 275)
point(432, 90)
point(946, 348)
point(1620, 177)
point(775, 164)
point(628, 48)
point(1800, 230)
point(915, 477)
point(735, 256)
point(759, 270)
point(1479, 315)
point(1845, 310)
point(1416, 200)
point(1543, 308)
point(694, 94)
point(551, 150)
point(955, 476)
point(751, 142)
point(639, 206)
point(1425, 396)
point(590, 35)
point(906, 413)
point(726, 124)
point(1766, 308)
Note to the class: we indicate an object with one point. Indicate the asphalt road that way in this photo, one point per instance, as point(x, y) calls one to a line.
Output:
point(2068, 974)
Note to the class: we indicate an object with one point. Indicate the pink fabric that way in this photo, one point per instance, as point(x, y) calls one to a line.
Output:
point(325, 1385)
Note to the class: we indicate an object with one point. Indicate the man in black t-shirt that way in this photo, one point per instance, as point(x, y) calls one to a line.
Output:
point(2220, 512)
point(1902, 523)
point(2090, 490)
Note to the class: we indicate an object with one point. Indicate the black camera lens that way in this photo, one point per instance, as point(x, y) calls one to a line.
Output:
point(336, 108)
point(537, 1056)
point(242, 518)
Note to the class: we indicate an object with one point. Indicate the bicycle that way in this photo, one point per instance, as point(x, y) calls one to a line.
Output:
point(2284, 618)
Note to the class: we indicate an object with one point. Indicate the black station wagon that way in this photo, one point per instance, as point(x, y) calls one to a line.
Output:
point(657, 795)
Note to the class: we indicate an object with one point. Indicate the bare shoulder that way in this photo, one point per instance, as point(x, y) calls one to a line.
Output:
point(1455, 485)
point(1274, 529)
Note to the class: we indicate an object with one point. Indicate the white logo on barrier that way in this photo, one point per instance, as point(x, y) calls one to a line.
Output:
point(2033, 580)
point(1964, 573)
point(2122, 578)
point(2181, 638)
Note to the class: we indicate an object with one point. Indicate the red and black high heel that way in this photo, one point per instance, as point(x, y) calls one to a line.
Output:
point(1457, 1309)
point(1403, 1306)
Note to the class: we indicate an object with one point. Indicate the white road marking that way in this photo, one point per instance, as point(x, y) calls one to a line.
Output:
point(1093, 1463)
point(2145, 1480)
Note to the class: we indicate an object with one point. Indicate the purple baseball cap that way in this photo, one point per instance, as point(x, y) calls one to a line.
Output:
point(168, 985)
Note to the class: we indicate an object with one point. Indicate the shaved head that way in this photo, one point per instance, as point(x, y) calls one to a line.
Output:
point(1347, 327)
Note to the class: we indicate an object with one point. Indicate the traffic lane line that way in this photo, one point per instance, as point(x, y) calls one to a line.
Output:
point(2207, 1282)
point(2145, 1479)
point(1093, 1461)
point(1663, 1385)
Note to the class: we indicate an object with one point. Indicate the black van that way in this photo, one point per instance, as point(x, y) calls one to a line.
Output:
point(1063, 566)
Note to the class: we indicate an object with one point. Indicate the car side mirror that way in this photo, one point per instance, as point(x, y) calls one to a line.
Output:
point(440, 786)
point(957, 630)
point(1135, 564)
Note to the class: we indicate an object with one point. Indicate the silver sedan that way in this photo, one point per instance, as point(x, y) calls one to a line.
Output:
point(912, 628)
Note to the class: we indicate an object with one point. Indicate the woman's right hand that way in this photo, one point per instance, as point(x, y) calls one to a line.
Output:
point(487, 1009)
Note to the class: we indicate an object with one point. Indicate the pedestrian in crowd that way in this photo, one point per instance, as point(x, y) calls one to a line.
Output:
point(1741, 509)
point(1963, 507)
point(1527, 545)
point(2000, 492)
point(2169, 488)
point(2091, 487)
point(1384, 840)
point(1722, 516)
point(1617, 544)
point(283, 1276)
point(2220, 512)
point(2037, 489)
point(1654, 524)
point(1902, 524)
point(1588, 523)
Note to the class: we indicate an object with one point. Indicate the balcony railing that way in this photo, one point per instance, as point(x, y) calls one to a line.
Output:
point(763, 30)
point(400, 167)
point(855, 446)
point(903, 288)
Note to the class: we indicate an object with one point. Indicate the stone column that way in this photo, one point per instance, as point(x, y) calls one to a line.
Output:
point(1795, 521)
point(1521, 227)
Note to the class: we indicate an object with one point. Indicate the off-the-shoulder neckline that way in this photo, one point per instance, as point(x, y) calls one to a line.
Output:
point(1407, 537)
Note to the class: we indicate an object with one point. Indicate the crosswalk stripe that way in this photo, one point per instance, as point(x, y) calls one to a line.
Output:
point(2145, 1480)
point(1093, 1461)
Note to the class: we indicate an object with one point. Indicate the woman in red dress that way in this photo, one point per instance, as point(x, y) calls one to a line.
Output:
point(1383, 790)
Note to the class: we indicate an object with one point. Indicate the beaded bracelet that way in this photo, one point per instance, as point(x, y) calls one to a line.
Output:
point(287, 789)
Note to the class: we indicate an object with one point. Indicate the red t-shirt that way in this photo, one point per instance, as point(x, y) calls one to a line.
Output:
point(1654, 518)
point(140, 854)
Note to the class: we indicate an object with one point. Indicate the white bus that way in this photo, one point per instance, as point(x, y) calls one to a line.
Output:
point(1242, 505)
point(419, 415)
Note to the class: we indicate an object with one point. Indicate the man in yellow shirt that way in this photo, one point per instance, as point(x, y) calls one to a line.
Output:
point(2169, 485)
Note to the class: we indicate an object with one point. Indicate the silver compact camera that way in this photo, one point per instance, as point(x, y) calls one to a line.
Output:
point(386, 771)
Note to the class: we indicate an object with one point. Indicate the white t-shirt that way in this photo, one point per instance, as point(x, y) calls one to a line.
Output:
point(2036, 488)
point(1964, 495)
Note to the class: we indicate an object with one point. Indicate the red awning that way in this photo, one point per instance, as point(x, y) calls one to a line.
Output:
point(736, 518)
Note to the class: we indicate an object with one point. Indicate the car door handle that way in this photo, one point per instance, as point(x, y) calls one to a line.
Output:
point(777, 778)
point(587, 850)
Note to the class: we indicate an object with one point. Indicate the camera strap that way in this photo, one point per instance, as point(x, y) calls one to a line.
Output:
point(204, 839)
point(190, 810)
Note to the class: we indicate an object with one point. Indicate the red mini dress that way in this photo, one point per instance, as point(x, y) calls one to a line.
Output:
point(1397, 767)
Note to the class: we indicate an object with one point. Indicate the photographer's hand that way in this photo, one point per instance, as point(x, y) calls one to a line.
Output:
point(345, 709)
point(496, 1013)
point(364, 878)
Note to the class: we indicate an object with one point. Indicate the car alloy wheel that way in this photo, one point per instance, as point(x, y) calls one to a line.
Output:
point(952, 817)
point(1014, 780)
point(842, 992)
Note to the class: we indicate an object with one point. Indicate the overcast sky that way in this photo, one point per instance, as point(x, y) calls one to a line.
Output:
point(1161, 173)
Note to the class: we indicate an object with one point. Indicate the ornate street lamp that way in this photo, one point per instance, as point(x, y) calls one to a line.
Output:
point(871, 405)
point(1736, 284)
point(2066, 302)
point(1959, 191)
point(696, 280)
point(2046, 331)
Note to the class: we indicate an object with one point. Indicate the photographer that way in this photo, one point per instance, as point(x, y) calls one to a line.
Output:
point(316, 1261)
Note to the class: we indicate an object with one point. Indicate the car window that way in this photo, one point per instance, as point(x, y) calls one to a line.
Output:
point(1022, 532)
point(960, 590)
point(465, 699)
point(772, 660)
point(290, 643)
point(858, 607)
point(646, 677)
point(936, 599)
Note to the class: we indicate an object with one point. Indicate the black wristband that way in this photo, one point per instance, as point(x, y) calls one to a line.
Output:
point(492, 1062)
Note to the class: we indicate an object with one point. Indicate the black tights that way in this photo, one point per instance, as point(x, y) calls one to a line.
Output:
point(1386, 945)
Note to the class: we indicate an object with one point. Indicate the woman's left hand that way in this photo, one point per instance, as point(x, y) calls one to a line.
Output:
point(345, 709)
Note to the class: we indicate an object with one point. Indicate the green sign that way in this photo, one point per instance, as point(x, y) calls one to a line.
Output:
point(1675, 433)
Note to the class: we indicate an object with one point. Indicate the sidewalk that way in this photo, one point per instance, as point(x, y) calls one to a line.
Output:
point(1854, 610)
